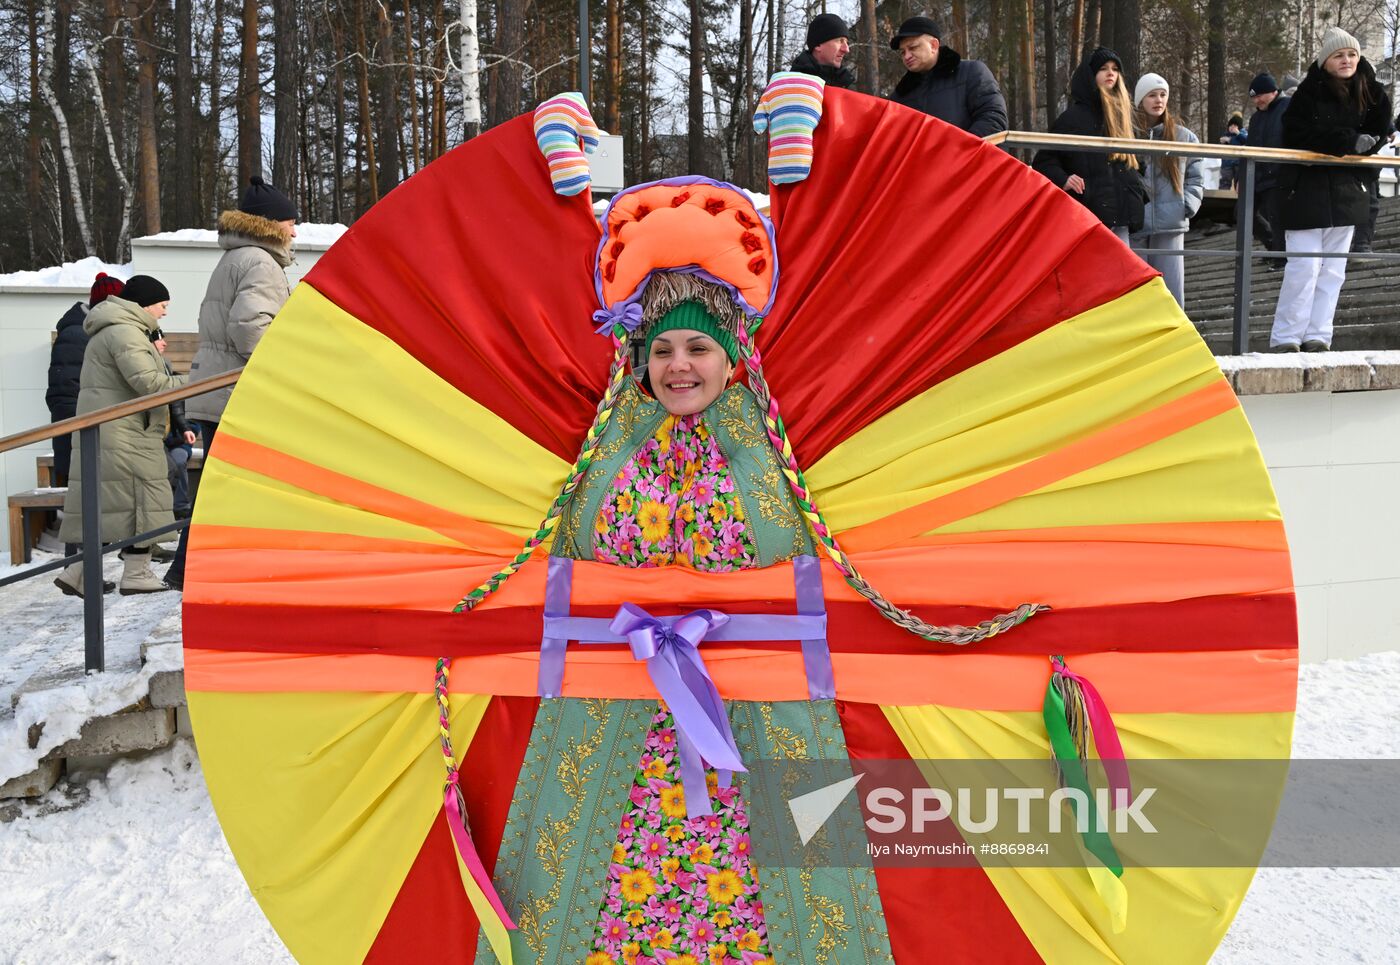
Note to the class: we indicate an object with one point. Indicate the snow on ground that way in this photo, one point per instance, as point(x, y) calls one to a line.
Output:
point(139, 872)
point(316, 235)
point(73, 274)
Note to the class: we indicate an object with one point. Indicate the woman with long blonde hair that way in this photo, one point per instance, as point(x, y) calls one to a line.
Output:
point(1175, 184)
point(1109, 185)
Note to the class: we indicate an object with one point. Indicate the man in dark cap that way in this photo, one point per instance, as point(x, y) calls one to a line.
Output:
point(828, 42)
point(1266, 130)
point(940, 82)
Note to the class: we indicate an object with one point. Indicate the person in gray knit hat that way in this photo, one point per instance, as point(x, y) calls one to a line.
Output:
point(1339, 109)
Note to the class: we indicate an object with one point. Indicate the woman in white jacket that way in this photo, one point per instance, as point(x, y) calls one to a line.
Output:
point(1175, 185)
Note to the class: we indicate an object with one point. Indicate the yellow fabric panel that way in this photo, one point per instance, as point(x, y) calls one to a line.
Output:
point(330, 390)
point(1097, 369)
point(313, 789)
point(1211, 472)
point(234, 496)
point(1058, 908)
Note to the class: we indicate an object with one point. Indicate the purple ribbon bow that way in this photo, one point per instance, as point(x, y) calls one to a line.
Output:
point(629, 316)
point(673, 661)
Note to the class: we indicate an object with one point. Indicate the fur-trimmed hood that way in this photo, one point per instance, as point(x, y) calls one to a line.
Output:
point(238, 229)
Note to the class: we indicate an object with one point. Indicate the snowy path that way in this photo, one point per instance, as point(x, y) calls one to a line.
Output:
point(139, 873)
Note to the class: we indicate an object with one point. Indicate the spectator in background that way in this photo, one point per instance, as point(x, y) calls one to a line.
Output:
point(828, 43)
point(1365, 232)
point(1289, 85)
point(941, 83)
point(1107, 184)
point(66, 367)
point(1339, 109)
point(1175, 185)
point(1235, 136)
point(246, 289)
point(1266, 130)
point(122, 364)
point(179, 444)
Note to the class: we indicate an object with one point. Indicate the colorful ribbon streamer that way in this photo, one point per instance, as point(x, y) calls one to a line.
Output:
point(676, 668)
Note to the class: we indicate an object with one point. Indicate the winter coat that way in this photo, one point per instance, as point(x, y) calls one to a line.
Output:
point(247, 288)
point(961, 92)
point(1113, 191)
point(179, 424)
point(1169, 212)
point(1266, 130)
point(1323, 196)
point(122, 364)
point(805, 63)
point(66, 363)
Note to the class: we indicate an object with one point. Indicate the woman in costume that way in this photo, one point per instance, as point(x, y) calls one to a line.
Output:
point(1014, 419)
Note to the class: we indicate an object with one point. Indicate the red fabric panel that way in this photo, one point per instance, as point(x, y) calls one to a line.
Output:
point(431, 919)
point(481, 272)
point(934, 914)
point(913, 252)
point(1251, 622)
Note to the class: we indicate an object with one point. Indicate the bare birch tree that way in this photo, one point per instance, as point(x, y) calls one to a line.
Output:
point(65, 141)
point(471, 72)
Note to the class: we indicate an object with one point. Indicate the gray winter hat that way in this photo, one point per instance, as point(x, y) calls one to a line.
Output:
point(1333, 40)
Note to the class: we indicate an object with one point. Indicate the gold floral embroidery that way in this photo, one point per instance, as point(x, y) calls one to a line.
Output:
point(554, 841)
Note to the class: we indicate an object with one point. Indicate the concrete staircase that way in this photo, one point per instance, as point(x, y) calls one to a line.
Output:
point(55, 719)
point(1368, 314)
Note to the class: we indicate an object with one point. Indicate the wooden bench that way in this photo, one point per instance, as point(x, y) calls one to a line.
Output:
point(43, 470)
point(22, 506)
point(179, 349)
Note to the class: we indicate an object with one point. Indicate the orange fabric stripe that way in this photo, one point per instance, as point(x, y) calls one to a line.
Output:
point(1093, 450)
point(1256, 534)
point(354, 492)
point(1070, 574)
point(1202, 682)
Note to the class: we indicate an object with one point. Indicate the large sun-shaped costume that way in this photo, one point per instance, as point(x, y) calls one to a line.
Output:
point(961, 397)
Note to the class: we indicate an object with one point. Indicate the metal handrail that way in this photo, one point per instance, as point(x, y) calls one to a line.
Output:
point(119, 411)
point(88, 427)
point(1244, 253)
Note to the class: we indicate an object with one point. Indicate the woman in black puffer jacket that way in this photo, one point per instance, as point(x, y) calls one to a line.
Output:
point(1107, 184)
point(1339, 109)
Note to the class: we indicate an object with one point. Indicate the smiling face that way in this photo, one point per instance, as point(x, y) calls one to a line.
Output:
point(1155, 103)
point(688, 370)
point(1342, 64)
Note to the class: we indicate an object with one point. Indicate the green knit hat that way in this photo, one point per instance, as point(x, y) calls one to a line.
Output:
point(693, 315)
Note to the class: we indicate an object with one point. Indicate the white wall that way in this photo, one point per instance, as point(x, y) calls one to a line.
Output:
point(29, 314)
point(1335, 461)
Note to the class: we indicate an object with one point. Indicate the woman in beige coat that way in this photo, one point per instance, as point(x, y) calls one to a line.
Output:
point(121, 364)
point(248, 287)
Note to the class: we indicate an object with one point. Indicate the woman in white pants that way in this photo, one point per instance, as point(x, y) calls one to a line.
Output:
point(1175, 185)
point(1339, 109)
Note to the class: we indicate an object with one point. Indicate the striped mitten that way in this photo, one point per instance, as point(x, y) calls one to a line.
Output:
point(790, 109)
point(561, 123)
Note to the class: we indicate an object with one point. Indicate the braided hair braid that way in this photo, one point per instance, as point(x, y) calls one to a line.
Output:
point(773, 422)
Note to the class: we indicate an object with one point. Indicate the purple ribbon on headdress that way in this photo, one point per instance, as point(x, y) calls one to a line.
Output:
point(628, 315)
point(676, 668)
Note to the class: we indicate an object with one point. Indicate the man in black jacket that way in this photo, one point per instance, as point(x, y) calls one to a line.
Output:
point(939, 82)
point(66, 366)
point(1266, 130)
point(828, 42)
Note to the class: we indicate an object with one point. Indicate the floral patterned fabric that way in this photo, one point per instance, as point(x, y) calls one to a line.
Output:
point(679, 891)
point(674, 502)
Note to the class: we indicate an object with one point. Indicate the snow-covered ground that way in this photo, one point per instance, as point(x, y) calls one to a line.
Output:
point(139, 871)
